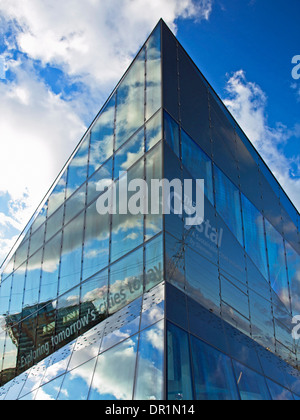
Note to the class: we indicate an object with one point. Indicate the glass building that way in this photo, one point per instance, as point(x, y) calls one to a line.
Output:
point(137, 306)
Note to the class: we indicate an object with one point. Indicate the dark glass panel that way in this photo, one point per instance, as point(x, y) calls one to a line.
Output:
point(213, 372)
point(229, 204)
point(96, 242)
point(194, 107)
point(150, 372)
point(5, 293)
point(171, 134)
point(252, 386)
point(197, 163)
point(293, 262)
point(102, 137)
point(130, 101)
point(179, 366)
point(69, 322)
point(279, 393)
point(254, 235)
point(277, 265)
point(176, 306)
point(175, 266)
point(262, 321)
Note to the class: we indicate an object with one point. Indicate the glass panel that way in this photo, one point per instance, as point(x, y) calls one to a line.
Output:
point(49, 392)
point(171, 134)
point(214, 377)
point(76, 383)
point(94, 296)
point(154, 222)
point(228, 204)
point(197, 163)
point(49, 280)
point(293, 261)
point(130, 153)
point(130, 101)
point(96, 242)
point(68, 323)
point(153, 131)
point(70, 272)
point(33, 278)
point(150, 375)
point(102, 137)
point(127, 229)
point(202, 284)
point(114, 374)
point(77, 171)
point(41, 218)
point(175, 266)
point(154, 263)
point(17, 291)
point(277, 264)
point(126, 281)
point(179, 368)
point(153, 73)
point(22, 254)
point(75, 204)
point(5, 290)
point(101, 179)
point(262, 321)
point(278, 393)
point(252, 386)
point(153, 309)
point(10, 357)
point(234, 297)
point(57, 196)
point(37, 240)
point(54, 223)
point(254, 235)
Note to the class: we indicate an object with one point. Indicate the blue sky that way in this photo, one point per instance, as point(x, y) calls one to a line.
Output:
point(60, 60)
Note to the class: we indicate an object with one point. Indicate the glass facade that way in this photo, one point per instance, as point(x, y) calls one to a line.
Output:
point(139, 306)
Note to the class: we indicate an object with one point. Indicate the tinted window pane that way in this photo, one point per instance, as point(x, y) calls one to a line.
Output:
point(154, 263)
point(179, 368)
point(171, 134)
point(33, 278)
point(54, 223)
point(17, 290)
point(149, 381)
point(197, 163)
point(130, 101)
point(252, 386)
point(97, 183)
point(94, 296)
point(278, 393)
point(278, 273)
point(102, 137)
point(75, 204)
point(76, 383)
point(228, 204)
point(214, 377)
point(254, 235)
point(293, 261)
point(57, 196)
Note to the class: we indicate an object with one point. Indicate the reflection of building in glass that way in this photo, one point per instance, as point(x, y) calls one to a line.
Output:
point(129, 306)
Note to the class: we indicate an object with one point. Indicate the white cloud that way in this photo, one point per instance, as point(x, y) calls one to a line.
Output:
point(248, 103)
point(92, 42)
